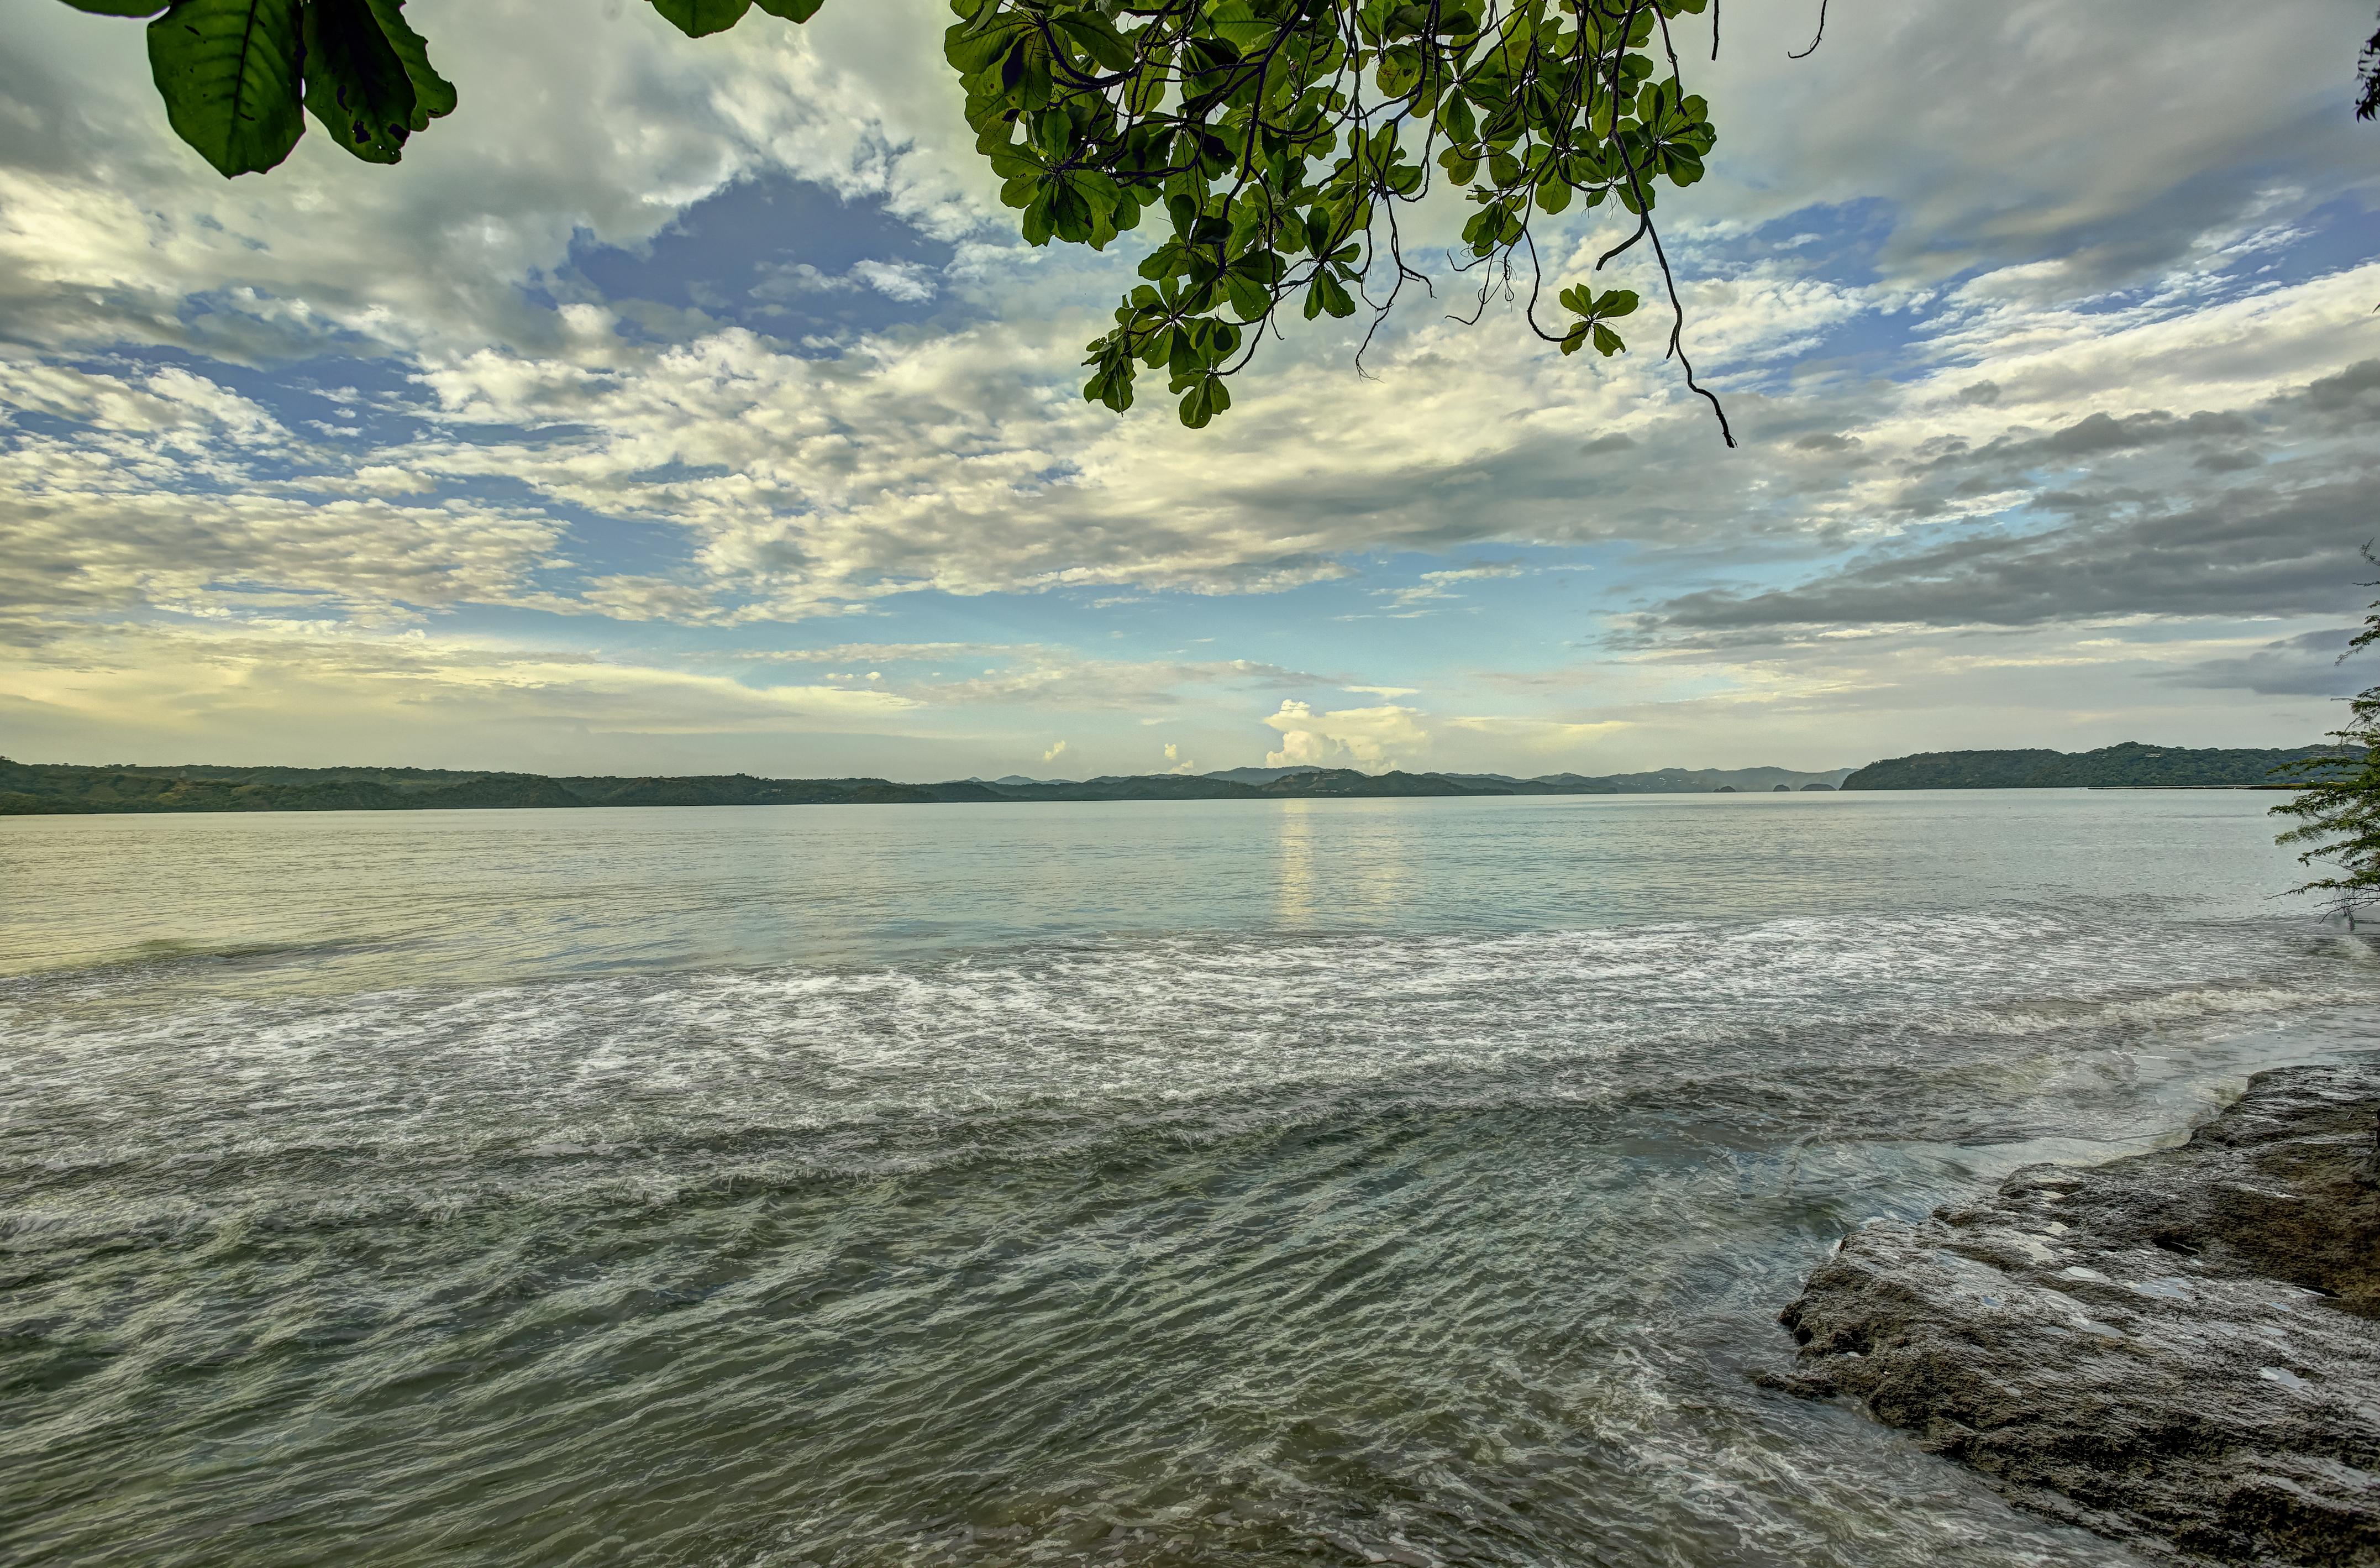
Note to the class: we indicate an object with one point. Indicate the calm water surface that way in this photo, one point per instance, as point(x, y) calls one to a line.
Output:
point(1217, 1183)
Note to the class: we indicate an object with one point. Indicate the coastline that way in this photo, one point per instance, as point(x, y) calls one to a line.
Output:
point(2176, 1349)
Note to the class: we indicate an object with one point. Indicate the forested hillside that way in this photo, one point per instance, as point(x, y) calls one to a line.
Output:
point(40, 789)
point(2130, 765)
point(47, 789)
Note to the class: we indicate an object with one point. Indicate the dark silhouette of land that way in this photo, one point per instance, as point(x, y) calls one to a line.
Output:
point(2128, 766)
point(43, 789)
point(50, 789)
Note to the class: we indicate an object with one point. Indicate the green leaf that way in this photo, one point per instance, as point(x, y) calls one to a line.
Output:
point(1250, 298)
point(229, 72)
point(699, 19)
point(1039, 225)
point(1455, 115)
point(1236, 23)
point(1326, 295)
point(792, 11)
point(433, 95)
point(119, 7)
point(971, 51)
point(355, 84)
point(1098, 38)
point(1111, 383)
point(1070, 213)
point(1606, 342)
point(1204, 401)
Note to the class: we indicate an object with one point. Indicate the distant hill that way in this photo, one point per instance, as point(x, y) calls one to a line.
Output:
point(1703, 781)
point(42, 789)
point(2130, 765)
point(28, 789)
point(1255, 775)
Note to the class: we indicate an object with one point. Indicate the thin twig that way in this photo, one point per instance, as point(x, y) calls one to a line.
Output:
point(1814, 37)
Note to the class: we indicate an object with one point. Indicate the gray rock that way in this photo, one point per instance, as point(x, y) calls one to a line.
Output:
point(2177, 1350)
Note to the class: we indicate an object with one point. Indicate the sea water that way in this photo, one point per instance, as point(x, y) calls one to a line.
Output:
point(1221, 1183)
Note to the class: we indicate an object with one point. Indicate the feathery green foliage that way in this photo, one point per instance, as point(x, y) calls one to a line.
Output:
point(2339, 810)
point(2368, 104)
point(1270, 143)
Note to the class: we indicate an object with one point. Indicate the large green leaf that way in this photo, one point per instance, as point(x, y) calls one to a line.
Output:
point(119, 7)
point(697, 18)
point(229, 72)
point(792, 11)
point(433, 95)
point(355, 84)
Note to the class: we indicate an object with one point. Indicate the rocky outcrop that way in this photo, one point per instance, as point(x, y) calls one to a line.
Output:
point(2180, 1350)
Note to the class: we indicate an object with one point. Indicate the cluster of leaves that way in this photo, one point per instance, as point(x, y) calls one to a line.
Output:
point(1274, 141)
point(2339, 807)
point(2368, 106)
point(235, 74)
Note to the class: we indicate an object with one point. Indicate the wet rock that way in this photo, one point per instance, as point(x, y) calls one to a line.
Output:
point(2180, 1350)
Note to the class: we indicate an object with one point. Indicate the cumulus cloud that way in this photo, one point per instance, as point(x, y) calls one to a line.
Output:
point(1372, 739)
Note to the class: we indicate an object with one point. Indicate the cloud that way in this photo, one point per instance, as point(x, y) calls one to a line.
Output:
point(1542, 736)
point(1037, 674)
point(1981, 171)
point(1177, 763)
point(957, 457)
point(1431, 586)
point(2138, 522)
point(1054, 752)
point(906, 281)
point(1372, 739)
point(316, 692)
point(2060, 354)
point(896, 280)
point(579, 123)
point(2306, 664)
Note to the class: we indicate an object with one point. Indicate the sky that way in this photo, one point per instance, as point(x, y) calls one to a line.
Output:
point(692, 405)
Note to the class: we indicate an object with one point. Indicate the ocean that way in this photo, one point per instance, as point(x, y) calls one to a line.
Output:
point(1211, 1183)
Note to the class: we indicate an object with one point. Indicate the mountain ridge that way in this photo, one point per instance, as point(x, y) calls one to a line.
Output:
point(2129, 765)
point(51, 788)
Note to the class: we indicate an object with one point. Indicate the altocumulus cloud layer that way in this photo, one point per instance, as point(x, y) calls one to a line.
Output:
point(688, 405)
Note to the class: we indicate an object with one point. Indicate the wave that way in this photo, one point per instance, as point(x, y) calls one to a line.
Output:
point(633, 1089)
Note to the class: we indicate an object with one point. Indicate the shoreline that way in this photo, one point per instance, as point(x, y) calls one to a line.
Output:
point(2179, 1350)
